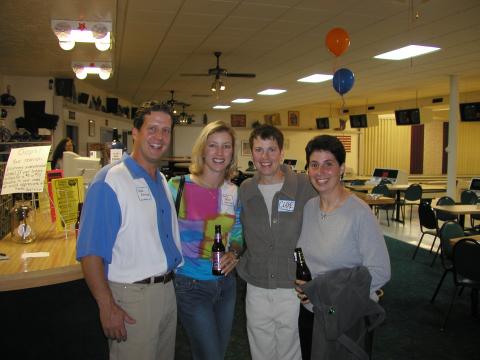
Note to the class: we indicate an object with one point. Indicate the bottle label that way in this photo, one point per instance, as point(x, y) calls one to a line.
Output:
point(115, 154)
point(216, 256)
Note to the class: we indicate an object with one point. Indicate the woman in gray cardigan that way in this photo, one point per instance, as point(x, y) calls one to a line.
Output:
point(272, 205)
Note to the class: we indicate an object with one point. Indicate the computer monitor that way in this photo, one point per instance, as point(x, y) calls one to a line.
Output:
point(76, 165)
point(291, 162)
point(395, 176)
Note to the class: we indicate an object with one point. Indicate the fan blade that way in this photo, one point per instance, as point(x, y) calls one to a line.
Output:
point(194, 74)
point(245, 75)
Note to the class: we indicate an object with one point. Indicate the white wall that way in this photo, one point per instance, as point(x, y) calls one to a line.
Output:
point(26, 88)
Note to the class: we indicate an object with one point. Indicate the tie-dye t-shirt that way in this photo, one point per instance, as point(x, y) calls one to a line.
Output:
point(200, 210)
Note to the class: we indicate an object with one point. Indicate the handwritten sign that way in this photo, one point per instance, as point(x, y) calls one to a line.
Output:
point(25, 171)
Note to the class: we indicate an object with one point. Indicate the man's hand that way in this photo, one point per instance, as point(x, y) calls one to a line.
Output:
point(300, 294)
point(113, 319)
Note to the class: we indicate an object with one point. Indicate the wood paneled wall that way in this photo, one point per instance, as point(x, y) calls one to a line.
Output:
point(388, 145)
point(385, 145)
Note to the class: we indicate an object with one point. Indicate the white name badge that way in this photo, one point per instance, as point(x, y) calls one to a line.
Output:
point(227, 199)
point(286, 205)
point(143, 193)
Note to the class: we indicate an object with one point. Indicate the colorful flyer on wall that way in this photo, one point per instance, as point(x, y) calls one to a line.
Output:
point(67, 193)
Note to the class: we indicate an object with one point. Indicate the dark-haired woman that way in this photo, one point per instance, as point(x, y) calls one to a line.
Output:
point(339, 230)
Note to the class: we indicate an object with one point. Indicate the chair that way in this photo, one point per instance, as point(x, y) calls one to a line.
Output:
point(428, 224)
point(383, 190)
point(35, 117)
point(448, 231)
point(468, 197)
point(358, 182)
point(466, 272)
point(475, 217)
point(443, 216)
point(412, 196)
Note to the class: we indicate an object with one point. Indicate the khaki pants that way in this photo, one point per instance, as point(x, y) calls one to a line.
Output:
point(272, 323)
point(154, 308)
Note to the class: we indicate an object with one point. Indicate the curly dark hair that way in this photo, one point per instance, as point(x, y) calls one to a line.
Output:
point(326, 143)
point(147, 108)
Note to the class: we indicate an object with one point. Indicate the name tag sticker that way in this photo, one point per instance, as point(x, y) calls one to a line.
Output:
point(143, 193)
point(227, 200)
point(286, 205)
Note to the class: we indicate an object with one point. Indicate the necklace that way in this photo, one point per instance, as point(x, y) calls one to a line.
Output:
point(327, 213)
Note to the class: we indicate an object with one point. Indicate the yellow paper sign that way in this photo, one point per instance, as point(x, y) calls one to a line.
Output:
point(67, 193)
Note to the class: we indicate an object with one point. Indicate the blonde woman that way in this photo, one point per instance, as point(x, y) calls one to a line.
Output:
point(206, 302)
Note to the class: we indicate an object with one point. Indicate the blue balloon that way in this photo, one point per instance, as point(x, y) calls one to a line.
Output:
point(343, 80)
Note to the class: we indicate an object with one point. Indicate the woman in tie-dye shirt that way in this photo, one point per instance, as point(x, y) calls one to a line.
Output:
point(206, 302)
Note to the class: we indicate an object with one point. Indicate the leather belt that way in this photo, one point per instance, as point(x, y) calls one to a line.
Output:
point(156, 279)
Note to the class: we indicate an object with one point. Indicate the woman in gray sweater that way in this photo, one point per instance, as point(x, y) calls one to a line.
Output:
point(339, 230)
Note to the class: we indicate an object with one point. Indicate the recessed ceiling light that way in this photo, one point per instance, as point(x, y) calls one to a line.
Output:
point(316, 78)
point(271, 92)
point(407, 52)
point(221, 106)
point(242, 101)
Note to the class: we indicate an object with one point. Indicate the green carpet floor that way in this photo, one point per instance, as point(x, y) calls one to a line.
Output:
point(412, 328)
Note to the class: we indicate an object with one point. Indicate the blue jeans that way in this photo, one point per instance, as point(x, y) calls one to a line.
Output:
point(206, 309)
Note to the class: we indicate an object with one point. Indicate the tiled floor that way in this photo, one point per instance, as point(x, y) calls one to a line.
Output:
point(408, 232)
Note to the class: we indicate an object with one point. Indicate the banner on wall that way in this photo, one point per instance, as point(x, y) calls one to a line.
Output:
point(346, 140)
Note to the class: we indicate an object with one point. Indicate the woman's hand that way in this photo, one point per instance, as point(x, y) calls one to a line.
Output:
point(228, 262)
point(300, 294)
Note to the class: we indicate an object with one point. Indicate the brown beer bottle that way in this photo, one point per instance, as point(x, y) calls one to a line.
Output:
point(303, 272)
point(79, 213)
point(218, 249)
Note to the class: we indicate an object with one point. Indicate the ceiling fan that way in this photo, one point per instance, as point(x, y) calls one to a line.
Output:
point(219, 72)
point(172, 102)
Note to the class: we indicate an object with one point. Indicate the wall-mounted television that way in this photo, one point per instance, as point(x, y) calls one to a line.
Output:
point(407, 117)
point(470, 111)
point(358, 121)
point(322, 123)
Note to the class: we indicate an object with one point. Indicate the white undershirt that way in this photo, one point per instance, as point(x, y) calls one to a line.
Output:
point(268, 191)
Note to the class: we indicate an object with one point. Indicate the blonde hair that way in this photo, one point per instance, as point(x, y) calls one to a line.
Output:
point(198, 162)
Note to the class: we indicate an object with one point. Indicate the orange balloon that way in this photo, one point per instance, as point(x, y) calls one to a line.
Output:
point(337, 41)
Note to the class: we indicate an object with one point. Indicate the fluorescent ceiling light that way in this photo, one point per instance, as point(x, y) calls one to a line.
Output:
point(221, 106)
point(242, 101)
point(316, 78)
point(407, 52)
point(271, 92)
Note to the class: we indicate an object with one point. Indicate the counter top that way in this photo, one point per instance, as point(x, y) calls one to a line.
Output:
point(60, 266)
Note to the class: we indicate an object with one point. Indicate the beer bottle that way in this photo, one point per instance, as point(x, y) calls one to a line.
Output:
point(303, 272)
point(79, 213)
point(116, 147)
point(218, 249)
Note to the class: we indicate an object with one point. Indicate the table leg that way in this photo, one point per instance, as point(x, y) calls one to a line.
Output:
point(397, 208)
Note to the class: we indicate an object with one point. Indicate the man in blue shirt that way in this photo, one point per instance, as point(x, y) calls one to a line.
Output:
point(129, 244)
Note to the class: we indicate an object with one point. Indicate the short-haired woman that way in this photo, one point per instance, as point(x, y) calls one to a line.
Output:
point(339, 230)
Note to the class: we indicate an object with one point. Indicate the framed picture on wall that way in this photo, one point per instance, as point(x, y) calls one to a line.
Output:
point(238, 120)
point(272, 119)
point(293, 118)
point(246, 148)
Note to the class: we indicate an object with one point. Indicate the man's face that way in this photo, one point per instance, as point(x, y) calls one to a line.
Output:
point(267, 157)
point(153, 138)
